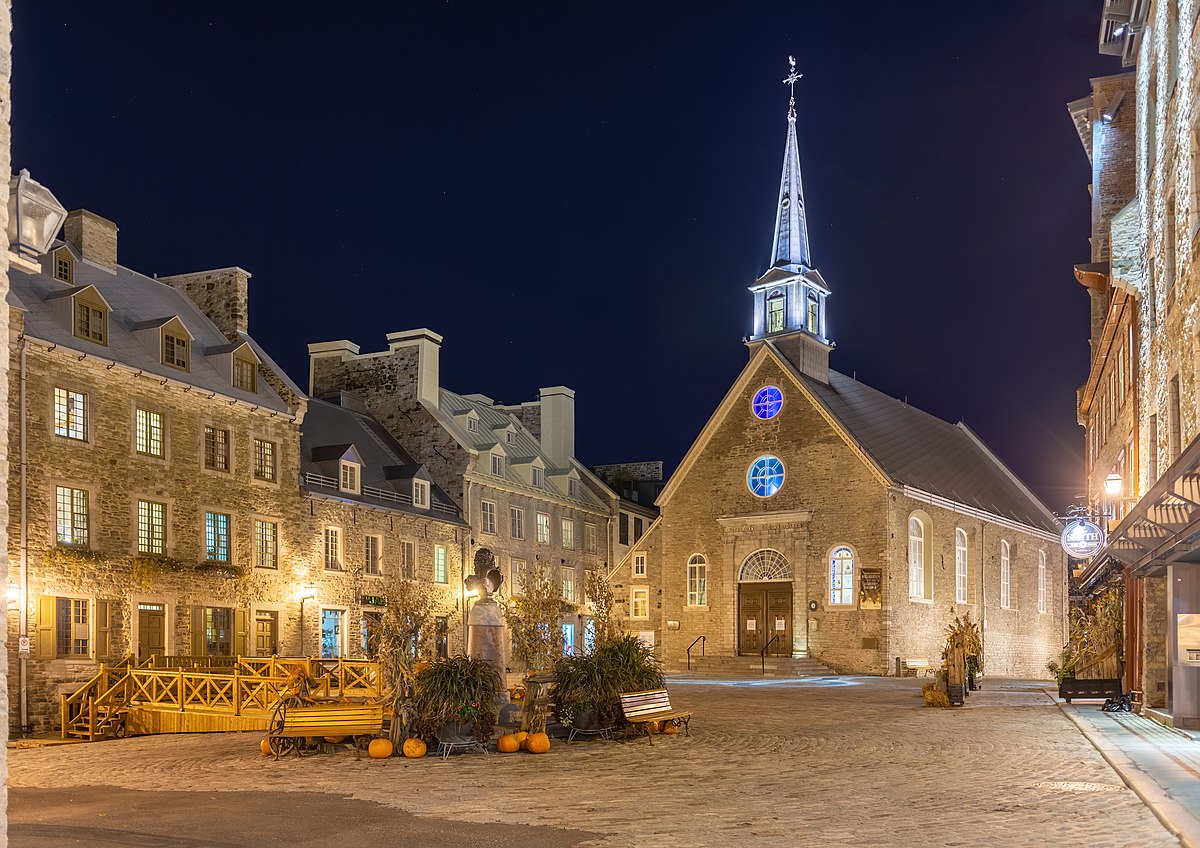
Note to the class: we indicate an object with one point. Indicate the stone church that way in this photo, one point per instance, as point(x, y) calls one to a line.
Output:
point(815, 517)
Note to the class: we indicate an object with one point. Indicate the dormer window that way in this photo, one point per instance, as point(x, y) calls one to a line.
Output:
point(472, 425)
point(175, 350)
point(91, 323)
point(538, 476)
point(510, 438)
point(64, 266)
point(421, 494)
point(775, 320)
point(573, 488)
point(497, 465)
point(348, 477)
point(245, 375)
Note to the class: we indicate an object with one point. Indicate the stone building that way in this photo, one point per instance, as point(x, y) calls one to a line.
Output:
point(1151, 551)
point(525, 496)
point(638, 485)
point(158, 509)
point(817, 517)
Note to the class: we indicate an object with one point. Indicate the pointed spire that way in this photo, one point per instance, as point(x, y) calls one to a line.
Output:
point(790, 247)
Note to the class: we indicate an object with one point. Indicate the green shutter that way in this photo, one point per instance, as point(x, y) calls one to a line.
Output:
point(198, 641)
point(241, 633)
point(45, 649)
point(104, 629)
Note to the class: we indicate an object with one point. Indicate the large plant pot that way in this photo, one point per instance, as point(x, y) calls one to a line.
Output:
point(586, 720)
point(457, 732)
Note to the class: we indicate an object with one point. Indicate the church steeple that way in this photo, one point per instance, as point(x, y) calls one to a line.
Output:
point(790, 247)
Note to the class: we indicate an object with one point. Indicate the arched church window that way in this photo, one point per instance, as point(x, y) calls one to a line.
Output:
point(916, 557)
point(765, 564)
point(775, 322)
point(767, 402)
point(765, 476)
point(841, 576)
point(814, 314)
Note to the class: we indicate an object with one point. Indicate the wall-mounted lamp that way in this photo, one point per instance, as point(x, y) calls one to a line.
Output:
point(1112, 485)
point(1109, 111)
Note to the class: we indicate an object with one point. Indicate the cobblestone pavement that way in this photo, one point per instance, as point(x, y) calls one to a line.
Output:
point(835, 762)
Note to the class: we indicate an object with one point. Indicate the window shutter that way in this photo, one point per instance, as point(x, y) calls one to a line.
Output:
point(45, 648)
point(104, 629)
point(197, 631)
point(241, 633)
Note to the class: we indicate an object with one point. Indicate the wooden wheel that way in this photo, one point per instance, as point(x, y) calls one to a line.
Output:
point(280, 745)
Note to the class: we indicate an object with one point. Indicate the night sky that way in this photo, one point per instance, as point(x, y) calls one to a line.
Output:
point(580, 193)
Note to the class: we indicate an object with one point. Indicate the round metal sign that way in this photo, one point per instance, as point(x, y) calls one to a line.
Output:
point(1082, 538)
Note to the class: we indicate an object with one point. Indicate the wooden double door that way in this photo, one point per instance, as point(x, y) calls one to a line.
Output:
point(765, 611)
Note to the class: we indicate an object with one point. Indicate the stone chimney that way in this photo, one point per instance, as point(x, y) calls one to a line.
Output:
point(223, 295)
point(558, 424)
point(428, 346)
point(94, 237)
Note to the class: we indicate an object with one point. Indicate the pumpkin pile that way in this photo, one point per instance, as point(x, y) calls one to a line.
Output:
point(534, 743)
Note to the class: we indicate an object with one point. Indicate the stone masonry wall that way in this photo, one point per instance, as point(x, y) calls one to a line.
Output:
point(222, 295)
point(6, 703)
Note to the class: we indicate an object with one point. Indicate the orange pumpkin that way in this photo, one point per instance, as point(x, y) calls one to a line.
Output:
point(508, 744)
point(335, 740)
point(265, 745)
point(652, 726)
point(538, 743)
point(671, 727)
point(414, 749)
point(380, 749)
point(522, 740)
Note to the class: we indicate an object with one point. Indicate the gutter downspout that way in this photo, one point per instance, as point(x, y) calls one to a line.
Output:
point(982, 598)
point(462, 577)
point(23, 596)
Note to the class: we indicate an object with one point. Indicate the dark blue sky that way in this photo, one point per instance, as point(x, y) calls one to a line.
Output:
point(580, 193)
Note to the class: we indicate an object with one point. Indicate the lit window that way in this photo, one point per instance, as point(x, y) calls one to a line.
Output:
point(916, 558)
point(1041, 581)
point(639, 565)
point(408, 560)
point(568, 533)
point(70, 414)
point(516, 523)
point(333, 549)
point(266, 544)
point(264, 460)
point(960, 566)
point(814, 314)
point(775, 320)
point(72, 518)
point(72, 627)
point(91, 323)
point(539, 477)
point(590, 539)
point(373, 555)
point(152, 527)
point(841, 577)
point(519, 576)
point(767, 402)
point(1005, 574)
point(497, 465)
point(348, 477)
point(543, 528)
point(148, 436)
point(487, 516)
point(441, 574)
point(420, 494)
point(765, 476)
point(175, 351)
point(697, 582)
point(245, 375)
point(216, 536)
point(639, 602)
point(216, 449)
point(568, 585)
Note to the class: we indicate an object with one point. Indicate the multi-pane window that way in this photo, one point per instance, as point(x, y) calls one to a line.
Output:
point(573, 488)
point(420, 494)
point(543, 528)
point(175, 351)
point(91, 323)
point(814, 314)
point(639, 602)
point(497, 465)
point(72, 627)
point(70, 414)
point(64, 267)
point(916, 558)
point(516, 522)
point(519, 576)
point(1005, 574)
point(697, 581)
point(960, 566)
point(441, 574)
point(245, 375)
point(538, 476)
point(72, 515)
point(639, 565)
point(638, 525)
point(152, 527)
point(216, 449)
point(775, 321)
point(218, 631)
point(266, 544)
point(373, 555)
point(264, 460)
point(348, 478)
point(1041, 581)
point(568, 533)
point(408, 560)
point(216, 536)
point(333, 549)
point(589, 538)
point(487, 516)
point(148, 433)
point(841, 577)
point(568, 585)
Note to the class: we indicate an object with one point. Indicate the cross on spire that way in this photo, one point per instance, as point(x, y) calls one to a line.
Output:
point(790, 81)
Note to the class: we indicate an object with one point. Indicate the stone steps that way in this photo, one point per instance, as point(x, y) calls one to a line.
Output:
point(721, 667)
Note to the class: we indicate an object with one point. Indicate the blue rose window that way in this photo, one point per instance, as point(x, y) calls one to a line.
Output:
point(765, 476)
point(767, 402)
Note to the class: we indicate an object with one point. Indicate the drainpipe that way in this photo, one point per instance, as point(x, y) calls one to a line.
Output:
point(23, 595)
point(462, 577)
point(982, 593)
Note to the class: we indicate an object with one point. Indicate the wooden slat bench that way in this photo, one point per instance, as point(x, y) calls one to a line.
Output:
point(361, 721)
point(1102, 687)
point(914, 666)
point(641, 708)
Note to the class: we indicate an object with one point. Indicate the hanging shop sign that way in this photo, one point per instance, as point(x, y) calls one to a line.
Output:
point(1082, 538)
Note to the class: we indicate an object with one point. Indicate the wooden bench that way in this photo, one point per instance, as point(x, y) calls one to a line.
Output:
point(1100, 687)
point(291, 723)
point(917, 665)
point(641, 708)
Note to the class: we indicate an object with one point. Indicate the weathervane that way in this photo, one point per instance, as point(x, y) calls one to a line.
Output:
point(790, 80)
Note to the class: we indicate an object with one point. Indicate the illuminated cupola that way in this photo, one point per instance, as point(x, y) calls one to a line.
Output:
point(789, 300)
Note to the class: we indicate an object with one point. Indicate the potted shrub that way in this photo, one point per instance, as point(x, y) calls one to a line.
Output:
point(455, 699)
point(587, 690)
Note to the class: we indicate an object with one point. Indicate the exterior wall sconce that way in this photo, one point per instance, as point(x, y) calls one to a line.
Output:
point(34, 216)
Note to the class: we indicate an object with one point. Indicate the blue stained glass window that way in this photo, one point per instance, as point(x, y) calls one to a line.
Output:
point(767, 402)
point(765, 476)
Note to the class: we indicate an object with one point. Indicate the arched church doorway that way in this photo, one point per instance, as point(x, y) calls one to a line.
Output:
point(765, 604)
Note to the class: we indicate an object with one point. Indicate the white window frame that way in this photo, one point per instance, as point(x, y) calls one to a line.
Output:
point(567, 575)
point(497, 465)
point(341, 611)
point(442, 562)
point(1042, 582)
point(487, 516)
point(377, 559)
point(516, 522)
point(538, 477)
point(543, 528)
point(408, 559)
point(962, 565)
point(836, 593)
point(518, 574)
point(639, 596)
point(1005, 574)
point(697, 581)
point(572, 488)
point(349, 474)
point(260, 546)
point(78, 533)
point(639, 565)
point(591, 538)
point(332, 552)
point(420, 494)
point(567, 526)
point(916, 557)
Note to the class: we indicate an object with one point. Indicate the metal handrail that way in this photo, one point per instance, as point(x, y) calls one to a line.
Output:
point(701, 640)
point(762, 655)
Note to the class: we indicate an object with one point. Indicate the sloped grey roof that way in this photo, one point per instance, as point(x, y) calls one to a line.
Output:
point(920, 450)
point(135, 300)
point(382, 482)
